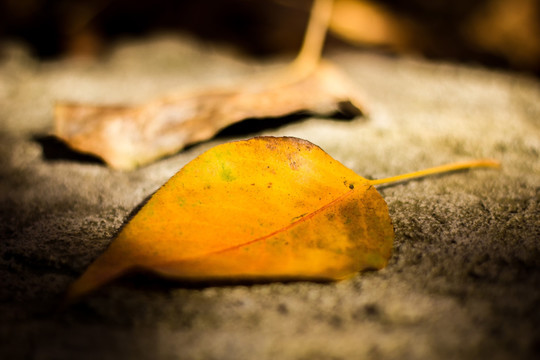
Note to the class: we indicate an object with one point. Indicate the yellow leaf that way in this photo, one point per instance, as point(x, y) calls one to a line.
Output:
point(260, 209)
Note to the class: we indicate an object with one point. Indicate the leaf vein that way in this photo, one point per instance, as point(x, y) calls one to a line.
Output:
point(285, 228)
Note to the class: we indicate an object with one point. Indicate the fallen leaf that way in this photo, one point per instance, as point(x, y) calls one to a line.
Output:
point(260, 209)
point(265, 208)
point(129, 136)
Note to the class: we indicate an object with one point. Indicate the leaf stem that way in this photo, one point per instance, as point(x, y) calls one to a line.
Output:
point(438, 170)
point(311, 50)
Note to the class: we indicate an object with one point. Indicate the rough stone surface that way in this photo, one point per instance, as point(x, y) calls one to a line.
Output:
point(464, 280)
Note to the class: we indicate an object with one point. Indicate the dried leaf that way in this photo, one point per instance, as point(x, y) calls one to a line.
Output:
point(261, 209)
point(127, 137)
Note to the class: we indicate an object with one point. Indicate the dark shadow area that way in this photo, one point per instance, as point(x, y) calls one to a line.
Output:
point(143, 280)
point(56, 150)
point(254, 126)
point(55, 28)
point(257, 125)
point(494, 33)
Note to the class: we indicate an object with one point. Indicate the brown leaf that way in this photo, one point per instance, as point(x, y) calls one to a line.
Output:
point(126, 137)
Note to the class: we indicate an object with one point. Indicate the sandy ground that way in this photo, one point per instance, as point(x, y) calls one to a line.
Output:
point(464, 279)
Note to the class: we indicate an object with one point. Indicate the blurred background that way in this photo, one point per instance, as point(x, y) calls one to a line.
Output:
point(502, 34)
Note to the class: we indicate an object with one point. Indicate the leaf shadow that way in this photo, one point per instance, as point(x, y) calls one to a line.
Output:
point(143, 280)
point(54, 149)
point(251, 126)
point(257, 125)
